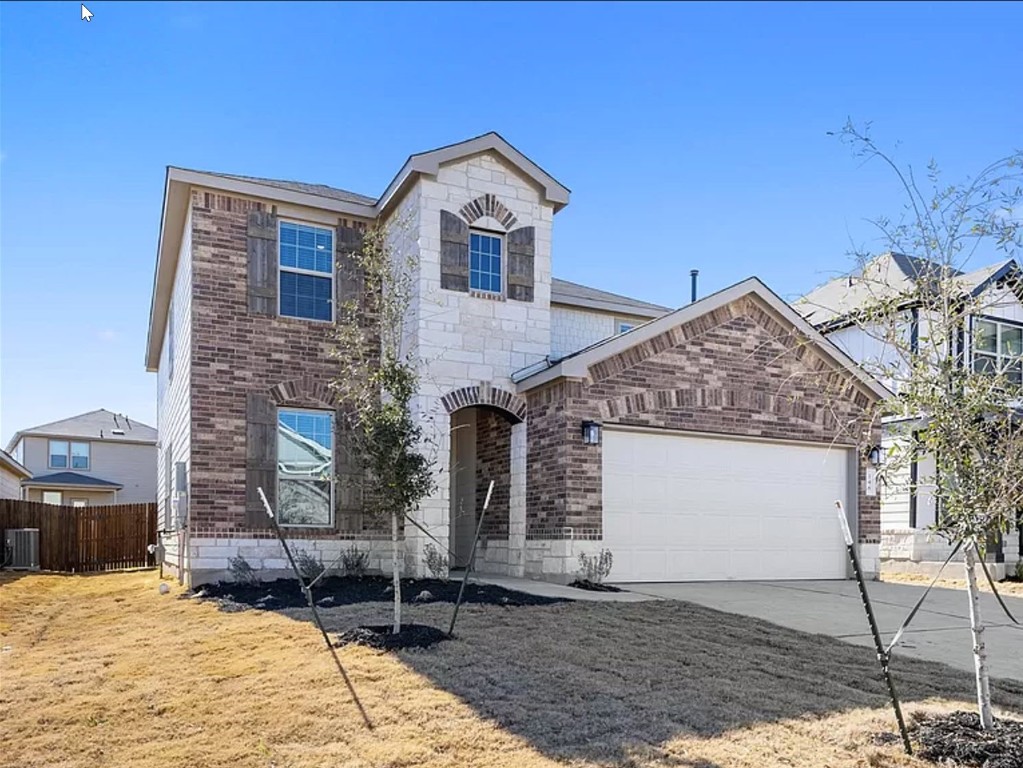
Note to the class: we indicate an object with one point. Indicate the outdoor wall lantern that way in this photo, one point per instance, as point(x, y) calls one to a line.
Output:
point(591, 432)
point(875, 455)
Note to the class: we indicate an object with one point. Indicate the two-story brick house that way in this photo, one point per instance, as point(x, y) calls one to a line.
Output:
point(695, 444)
point(98, 457)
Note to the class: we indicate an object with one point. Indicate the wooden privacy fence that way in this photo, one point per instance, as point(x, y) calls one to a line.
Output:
point(84, 539)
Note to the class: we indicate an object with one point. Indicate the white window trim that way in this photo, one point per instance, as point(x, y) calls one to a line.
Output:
point(69, 467)
point(620, 321)
point(331, 523)
point(70, 456)
point(999, 357)
point(78, 502)
point(60, 495)
point(312, 272)
point(504, 261)
point(50, 454)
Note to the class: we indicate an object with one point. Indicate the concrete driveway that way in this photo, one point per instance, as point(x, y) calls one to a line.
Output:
point(939, 632)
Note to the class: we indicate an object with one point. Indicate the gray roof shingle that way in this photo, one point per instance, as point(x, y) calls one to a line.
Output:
point(885, 277)
point(334, 193)
point(100, 424)
point(576, 295)
point(70, 478)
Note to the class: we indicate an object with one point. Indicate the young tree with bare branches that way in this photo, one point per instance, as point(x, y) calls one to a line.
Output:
point(378, 381)
point(957, 375)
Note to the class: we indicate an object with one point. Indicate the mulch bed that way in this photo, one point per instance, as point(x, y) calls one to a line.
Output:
point(593, 586)
point(382, 638)
point(957, 739)
point(334, 591)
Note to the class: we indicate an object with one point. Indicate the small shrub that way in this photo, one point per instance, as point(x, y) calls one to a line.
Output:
point(1019, 570)
point(595, 568)
point(241, 571)
point(354, 562)
point(436, 563)
point(308, 566)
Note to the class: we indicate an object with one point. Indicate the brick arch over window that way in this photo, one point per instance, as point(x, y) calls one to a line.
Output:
point(635, 405)
point(303, 391)
point(488, 205)
point(486, 395)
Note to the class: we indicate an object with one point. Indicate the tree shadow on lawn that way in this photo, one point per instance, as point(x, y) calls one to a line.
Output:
point(597, 681)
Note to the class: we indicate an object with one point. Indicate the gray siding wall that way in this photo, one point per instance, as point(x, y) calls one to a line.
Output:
point(133, 465)
point(10, 484)
point(174, 404)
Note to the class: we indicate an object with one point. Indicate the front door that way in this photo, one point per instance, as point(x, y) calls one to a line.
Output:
point(463, 485)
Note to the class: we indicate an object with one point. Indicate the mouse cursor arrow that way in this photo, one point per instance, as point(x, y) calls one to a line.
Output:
point(86, 13)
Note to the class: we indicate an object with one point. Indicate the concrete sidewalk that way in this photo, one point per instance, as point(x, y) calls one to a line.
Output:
point(940, 631)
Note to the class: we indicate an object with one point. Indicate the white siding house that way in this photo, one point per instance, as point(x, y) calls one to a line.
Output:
point(908, 506)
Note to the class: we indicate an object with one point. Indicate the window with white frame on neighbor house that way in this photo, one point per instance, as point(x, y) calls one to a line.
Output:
point(64, 454)
point(305, 467)
point(485, 257)
point(998, 349)
point(53, 497)
point(306, 274)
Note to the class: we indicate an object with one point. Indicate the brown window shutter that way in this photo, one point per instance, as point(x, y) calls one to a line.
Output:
point(347, 479)
point(349, 243)
point(521, 255)
point(454, 253)
point(260, 457)
point(262, 250)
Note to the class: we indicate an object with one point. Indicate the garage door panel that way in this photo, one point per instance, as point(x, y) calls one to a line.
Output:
point(680, 507)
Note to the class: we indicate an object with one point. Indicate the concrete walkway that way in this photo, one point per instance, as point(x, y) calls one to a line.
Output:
point(545, 589)
point(939, 632)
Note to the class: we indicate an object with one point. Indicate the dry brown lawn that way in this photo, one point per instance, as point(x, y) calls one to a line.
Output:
point(1004, 587)
point(104, 671)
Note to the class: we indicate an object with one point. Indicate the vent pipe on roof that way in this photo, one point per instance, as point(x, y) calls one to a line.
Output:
point(694, 273)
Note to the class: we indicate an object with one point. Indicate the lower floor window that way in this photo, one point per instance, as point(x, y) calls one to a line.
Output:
point(305, 467)
point(79, 502)
point(53, 497)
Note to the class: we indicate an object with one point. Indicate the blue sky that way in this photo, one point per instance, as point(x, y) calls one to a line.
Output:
point(691, 136)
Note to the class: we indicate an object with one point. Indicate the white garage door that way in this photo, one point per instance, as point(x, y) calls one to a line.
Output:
point(693, 508)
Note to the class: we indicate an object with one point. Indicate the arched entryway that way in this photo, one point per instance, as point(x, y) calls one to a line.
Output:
point(486, 424)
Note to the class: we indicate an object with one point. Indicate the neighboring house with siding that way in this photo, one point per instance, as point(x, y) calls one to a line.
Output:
point(696, 443)
point(12, 472)
point(94, 458)
point(991, 339)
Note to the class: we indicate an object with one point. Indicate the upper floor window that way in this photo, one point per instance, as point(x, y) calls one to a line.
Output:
point(68, 455)
point(998, 348)
point(485, 262)
point(305, 467)
point(306, 271)
point(623, 326)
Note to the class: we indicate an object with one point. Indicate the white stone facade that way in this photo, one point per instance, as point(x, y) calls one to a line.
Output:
point(464, 339)
point(923, 552)
point(209, 558)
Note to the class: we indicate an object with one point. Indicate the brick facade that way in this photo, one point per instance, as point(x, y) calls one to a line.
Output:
point(493, 462)
point(235, 352)
point(736, 370)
